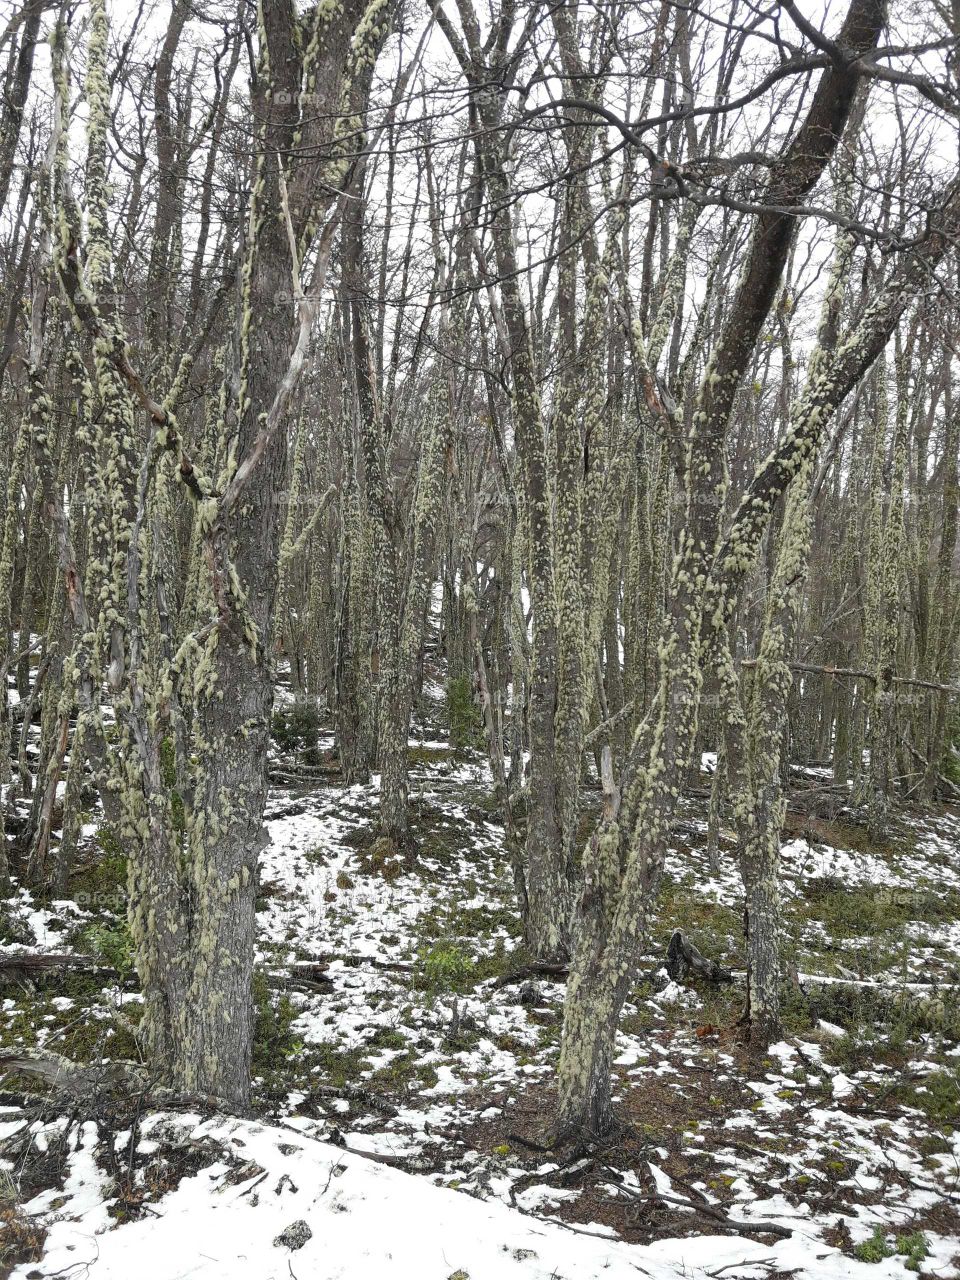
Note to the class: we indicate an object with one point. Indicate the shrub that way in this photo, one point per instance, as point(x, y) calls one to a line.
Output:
point(875, 1249)
point(445, 967)
point(273, 1038)
point(21, 1239)
point(914, 1248)
point(297, 727)
point(937, 1094)
point(110, 943)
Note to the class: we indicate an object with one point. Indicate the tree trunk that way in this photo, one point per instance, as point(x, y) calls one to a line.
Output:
point(760, 862)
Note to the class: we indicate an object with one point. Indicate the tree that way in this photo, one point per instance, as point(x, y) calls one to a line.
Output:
point(186, 781)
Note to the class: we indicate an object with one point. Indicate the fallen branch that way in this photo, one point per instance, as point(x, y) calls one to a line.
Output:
point(292, 771)
point(315, 966)
point(78, 1081)
point(26, 966)
point(741, 1228)
point(701, 1207)
point(824, 979)
point(682, 956)
point(537, 970)
point(853, 673)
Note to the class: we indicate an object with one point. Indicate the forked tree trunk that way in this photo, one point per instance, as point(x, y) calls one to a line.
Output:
point(706, 581)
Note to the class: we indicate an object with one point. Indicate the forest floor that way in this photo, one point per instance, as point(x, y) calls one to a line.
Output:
point(402, 1089)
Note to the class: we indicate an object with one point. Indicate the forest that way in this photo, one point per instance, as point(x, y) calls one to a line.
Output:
point(480, 594)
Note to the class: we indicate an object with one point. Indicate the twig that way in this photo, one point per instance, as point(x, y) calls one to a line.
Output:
point(856, 674)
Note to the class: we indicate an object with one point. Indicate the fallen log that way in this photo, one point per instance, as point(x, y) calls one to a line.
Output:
point(544, 970)
point(683, 956)
point(109, 1086)
point(78, 1081)
point(317, 965)
point(30, 966)
point(825, 979)
point(315, 975)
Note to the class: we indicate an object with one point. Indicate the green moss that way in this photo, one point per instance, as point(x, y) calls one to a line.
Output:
point(13, 929)
point(168, 767)
point(937, 1095)
point(388, 1038)
point(336, 1066)
point(102, 1031)
point(881, 1024)
point(429, 755)
point(103, 880)
point(866, 910)
point(400, 1073)
point(426, 1073)
point(463, 715)
point(716, 928)
point(933, 1144)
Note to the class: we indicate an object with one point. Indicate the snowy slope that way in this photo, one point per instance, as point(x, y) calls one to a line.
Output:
point(368, 1222)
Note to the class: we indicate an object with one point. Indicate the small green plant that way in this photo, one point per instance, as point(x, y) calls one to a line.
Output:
point(914, 1247)
point(272, 1036)
point(296, 728)
point(875, 1249)
point(463, 717)
point(445, 967)
point(937, 1095)
point(110, 943)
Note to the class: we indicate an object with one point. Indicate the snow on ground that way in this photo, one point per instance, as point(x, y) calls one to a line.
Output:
point(362, 1219)
point(277, 1203)
point(396, 1072)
